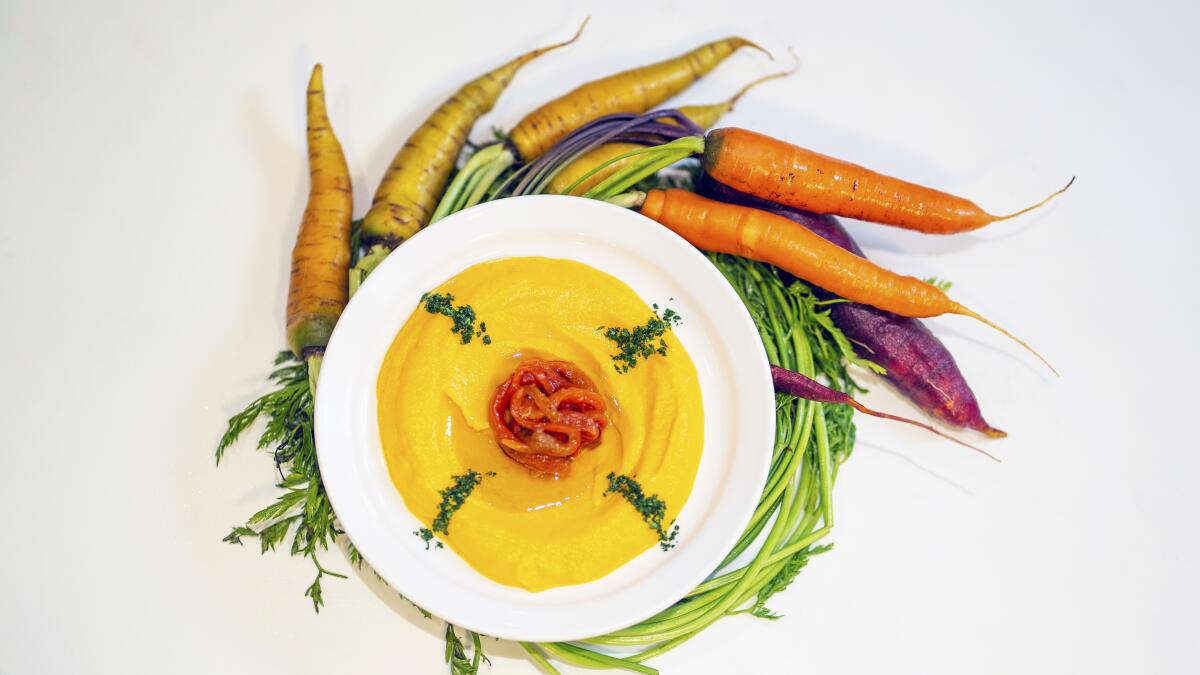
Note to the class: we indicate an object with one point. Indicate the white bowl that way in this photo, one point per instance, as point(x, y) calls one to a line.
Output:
point(735, 384)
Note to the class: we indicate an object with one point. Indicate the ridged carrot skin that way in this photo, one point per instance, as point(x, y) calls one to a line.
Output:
point(788, 174)
point(414, 182)
point(632, 91)
point(317, 291)
point(771, 238)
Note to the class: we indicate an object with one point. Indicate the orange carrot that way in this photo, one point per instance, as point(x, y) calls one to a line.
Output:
point(770, 238)
point(772, 169)
point(632, 91)
point(317, 292)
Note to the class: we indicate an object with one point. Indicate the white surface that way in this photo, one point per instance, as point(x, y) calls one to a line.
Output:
point(718, 334)
point(153, 178)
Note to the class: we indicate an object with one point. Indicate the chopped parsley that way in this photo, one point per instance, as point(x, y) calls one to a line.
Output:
point(652, 509)
point(463, 316)
point(453, 498)
point(643, 341)
point(426, 535)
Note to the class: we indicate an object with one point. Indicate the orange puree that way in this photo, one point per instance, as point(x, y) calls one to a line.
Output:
point(518, 527)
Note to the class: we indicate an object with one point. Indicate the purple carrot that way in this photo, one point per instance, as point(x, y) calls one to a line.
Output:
point(790, 382)
point(917, 363)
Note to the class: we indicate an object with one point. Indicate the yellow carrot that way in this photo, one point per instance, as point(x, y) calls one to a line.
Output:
point(632, 91)
point(413, 183)
point(317, 290)
point(705, 117)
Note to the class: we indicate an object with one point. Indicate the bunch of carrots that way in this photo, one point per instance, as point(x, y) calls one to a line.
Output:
point(758, 197)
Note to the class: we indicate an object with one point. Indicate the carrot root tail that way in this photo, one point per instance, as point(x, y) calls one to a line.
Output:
point(766, 78)
point(574, 37)
point(896, 418)
point(993, 432)
point(1040, 204)
point(979, 317)
point(755, 45)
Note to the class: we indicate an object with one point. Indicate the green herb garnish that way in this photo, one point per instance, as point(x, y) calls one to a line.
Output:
point(643, 341)
point(453, 498)
point(463, 317)
point(426, 535)
point(652, 509)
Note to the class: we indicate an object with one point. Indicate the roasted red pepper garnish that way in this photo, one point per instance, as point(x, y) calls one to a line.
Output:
point(545, 414)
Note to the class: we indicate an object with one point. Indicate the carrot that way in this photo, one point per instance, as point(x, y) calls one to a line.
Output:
point(797, 384)
point(657, 130)
point(632, 91)
point(571, 173)
point(771, 238)
point(413, 183)
point(704, 117)
point(317, 291)
point(772, 169)
point(916, 362)
point(610, 102)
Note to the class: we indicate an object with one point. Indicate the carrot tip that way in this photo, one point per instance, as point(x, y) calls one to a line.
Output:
point(992, 432)
point(754, 45)
point(1027, 209)
point(896, 418)
point(579, 31)
point(550, 48)
point(966, 312)
point(765, 78)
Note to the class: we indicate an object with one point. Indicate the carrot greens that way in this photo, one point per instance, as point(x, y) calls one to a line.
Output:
point(941, 284)
point(302, 508)
point(456, 653)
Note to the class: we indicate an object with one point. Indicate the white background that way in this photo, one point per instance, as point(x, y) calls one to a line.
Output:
point(153, 175)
